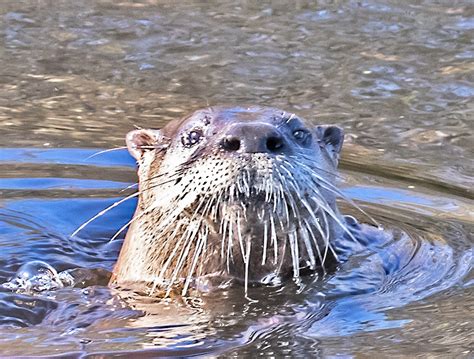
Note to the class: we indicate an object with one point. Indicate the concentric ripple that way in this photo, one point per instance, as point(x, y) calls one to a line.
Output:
point(59, 289)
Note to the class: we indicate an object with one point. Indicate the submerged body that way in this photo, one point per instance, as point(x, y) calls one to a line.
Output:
point(244, 193)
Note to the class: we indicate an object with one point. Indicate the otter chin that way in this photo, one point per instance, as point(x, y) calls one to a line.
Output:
point(244, 193)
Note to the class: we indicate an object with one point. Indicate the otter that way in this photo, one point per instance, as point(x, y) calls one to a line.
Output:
point(246, 193)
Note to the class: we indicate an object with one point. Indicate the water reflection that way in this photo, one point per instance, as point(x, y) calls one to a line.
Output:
point(434, 255)
point(396, 76)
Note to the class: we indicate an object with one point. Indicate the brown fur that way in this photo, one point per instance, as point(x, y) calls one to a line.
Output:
point(282, 174)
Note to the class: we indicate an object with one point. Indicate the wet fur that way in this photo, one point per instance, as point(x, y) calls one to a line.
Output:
point(250, 216)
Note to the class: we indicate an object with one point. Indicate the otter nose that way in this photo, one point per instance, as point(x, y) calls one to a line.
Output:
point(253, 138)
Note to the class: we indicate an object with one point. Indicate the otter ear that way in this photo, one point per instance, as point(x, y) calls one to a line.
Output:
point(330, 137)
point(139, 141)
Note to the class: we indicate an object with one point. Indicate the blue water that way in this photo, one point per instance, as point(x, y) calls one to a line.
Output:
point(75, 77)
point(371, 293)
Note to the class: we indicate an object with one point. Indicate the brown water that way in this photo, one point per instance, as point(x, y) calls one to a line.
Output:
point(76, 76)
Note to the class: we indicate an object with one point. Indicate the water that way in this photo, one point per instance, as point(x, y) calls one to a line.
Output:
point(75, 77)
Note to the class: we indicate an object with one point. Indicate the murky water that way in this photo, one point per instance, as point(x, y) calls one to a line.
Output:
point(75, 77)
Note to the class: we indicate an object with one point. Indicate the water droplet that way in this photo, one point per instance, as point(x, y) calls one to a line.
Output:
point(34, 276)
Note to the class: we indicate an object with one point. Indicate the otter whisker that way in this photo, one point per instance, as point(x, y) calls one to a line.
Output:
point(187, 239)
point(199, 270)
point(177, 210)
point(153, 147)
point(284, 206)
point(179, 171)
point(310, 170)
point(216, 207)
point(239, 236)
point(171, 176)
point(187, 234)
point(232, 194)
point(316, 244)
point(245, 183)
point(294, 254)
point(223, 232)
point(229, 212)
point(104, 151)
point(247, 262)
point(327, 244)
point(330, 187)
point(169, 179)
point(170, 238)
point(187, 244)
point(265, 242)
point(291, 198)
point(309, 159)
point(298, 191)
point(286, 120)
point(190, 237)
point(307, 244)
point(331, 213)
point(202, 240)
point(125, 226)
point(294, 207)
point(294, 235)
point(239, 185)
point(268, 191)
point(274, 240)
point(128, 187)
point(275, 199)
point(230, 244)
point(115, 204)
point(288, 172)
point(316, 223)
point(282, 258)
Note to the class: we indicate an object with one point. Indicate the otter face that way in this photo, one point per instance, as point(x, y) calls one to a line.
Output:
point(243, 192)
point(228, 137)
point(238, 131)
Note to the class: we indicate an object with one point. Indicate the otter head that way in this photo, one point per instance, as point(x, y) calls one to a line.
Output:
point(245, 193)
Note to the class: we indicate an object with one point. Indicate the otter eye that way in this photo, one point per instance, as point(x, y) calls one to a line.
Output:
point(300, 135)
point(191, 138)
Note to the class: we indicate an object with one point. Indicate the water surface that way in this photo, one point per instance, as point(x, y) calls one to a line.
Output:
point(76, 76)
